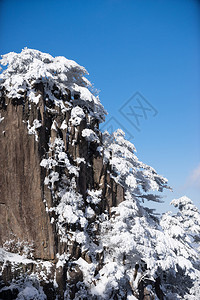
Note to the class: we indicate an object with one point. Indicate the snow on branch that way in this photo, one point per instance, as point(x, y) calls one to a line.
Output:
point(128, 170)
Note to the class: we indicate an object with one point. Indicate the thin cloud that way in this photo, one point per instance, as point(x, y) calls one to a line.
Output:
point(194, 178)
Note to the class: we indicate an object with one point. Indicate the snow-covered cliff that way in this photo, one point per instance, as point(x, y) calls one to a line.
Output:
point(73, 224)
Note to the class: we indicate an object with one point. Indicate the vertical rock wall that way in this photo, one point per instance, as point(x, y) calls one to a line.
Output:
point(22, 214)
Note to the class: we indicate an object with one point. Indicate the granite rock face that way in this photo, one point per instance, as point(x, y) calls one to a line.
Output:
point(22, 211)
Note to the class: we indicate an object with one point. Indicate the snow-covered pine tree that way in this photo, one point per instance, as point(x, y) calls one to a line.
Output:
point(134, 175)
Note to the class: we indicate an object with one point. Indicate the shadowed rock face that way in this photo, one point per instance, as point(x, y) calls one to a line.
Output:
point(22, 213)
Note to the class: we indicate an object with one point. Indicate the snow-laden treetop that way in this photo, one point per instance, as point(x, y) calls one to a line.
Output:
point(32, 66)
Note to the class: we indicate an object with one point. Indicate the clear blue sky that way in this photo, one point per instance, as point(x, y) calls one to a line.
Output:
point(152, 47)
